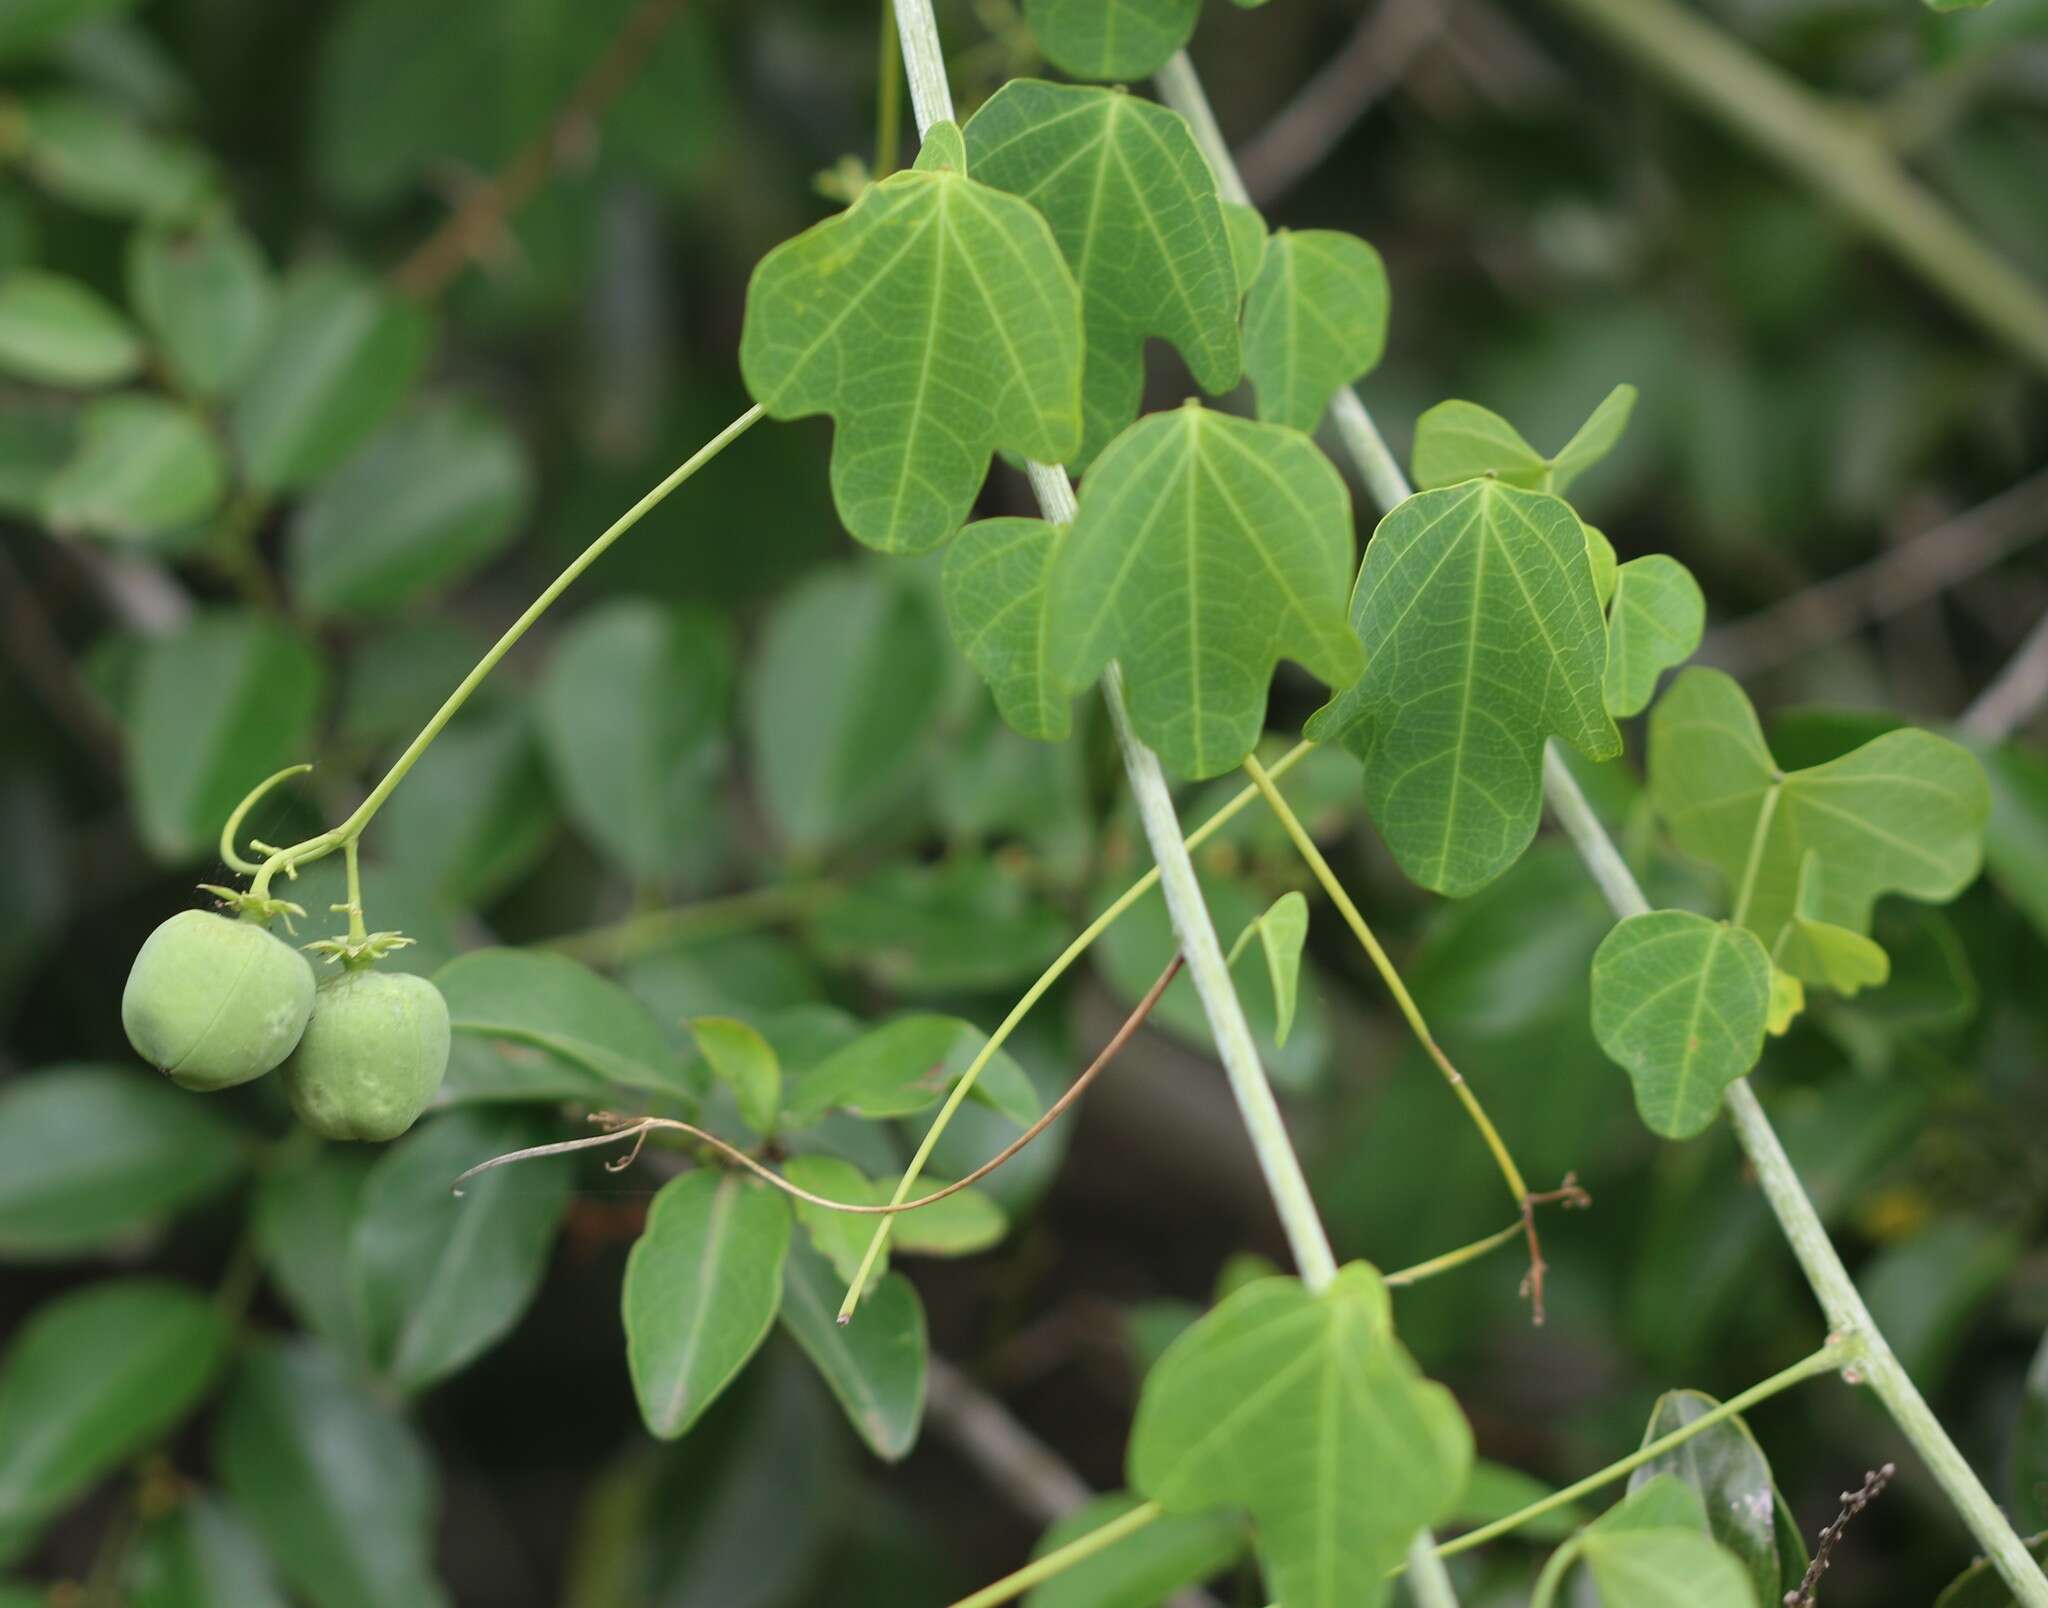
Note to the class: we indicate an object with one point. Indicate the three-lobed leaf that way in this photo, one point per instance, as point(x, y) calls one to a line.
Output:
point(1904, 813)
point(1486, 639)
point(1133, 205)
point(1681, 1003)
point(1315, 320)
point(1654, 623)
point(703, 1283)
point(1111, 39)
point(935, 322)
point(1307, 1411)
point(1207, 548)
point(998, 608)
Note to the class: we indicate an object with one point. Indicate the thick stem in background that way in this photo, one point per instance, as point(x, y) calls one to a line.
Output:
point(1797, 1220)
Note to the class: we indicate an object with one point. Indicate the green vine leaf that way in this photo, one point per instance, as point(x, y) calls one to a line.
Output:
point(935, 321)
point(1606, 575)
point(1282, 931)
point(1457, 441)
point(1206, 549)
point(1315, 320)
point(1247, 228)
point(1651, 1550)
point(703, 1284)
point(1306, 1410)
point(1813, 946)
point(1904, 813)
point(744, 1062)
point(1653, 624)
point(1479, 606)
point(1680, 1004)
point(1111, 39)
point(1133, 206)
point(1727, 1469)
point(997, 608)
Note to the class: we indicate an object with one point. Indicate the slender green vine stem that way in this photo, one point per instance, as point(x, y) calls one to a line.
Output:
point(1031, 996)
point(1798, 1221)
point(1078, 1550)
point(1458, 1258)
point(1835, 151)
point(289, 859)
point(888, 96)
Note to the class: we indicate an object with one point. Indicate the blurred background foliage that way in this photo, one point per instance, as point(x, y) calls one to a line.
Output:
point(317, 366)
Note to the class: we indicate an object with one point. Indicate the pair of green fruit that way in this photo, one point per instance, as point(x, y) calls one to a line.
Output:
point(215, 1002)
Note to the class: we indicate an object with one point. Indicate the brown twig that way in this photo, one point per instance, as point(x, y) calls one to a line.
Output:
point(1853, 1503)
point(481, 217)
point(637, 1129)
point(1573, 1198)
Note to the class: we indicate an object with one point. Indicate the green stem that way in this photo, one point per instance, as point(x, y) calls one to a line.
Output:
point(1032, 995)
point(1429, 1582)
point(1797, 1220)
point(1835, 152)
point(1078, 1550)
point(1836, 1354)
point(888, 96)
point(1457, 1258)
point(314, 848)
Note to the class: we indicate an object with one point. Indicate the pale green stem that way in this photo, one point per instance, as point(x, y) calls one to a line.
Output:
point(1458, 1258)
point(314, 848)
point(1078, 1550)
point(888, 96)
point(1429, 1582)
point(1797, 1219)
point(351, 860)
point(1835, 151)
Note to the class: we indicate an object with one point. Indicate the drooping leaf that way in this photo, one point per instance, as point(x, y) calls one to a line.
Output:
point(632, 713)
point(1143, 1569)
point(1486, 640)
point(1812, 946)
point(745, 1062)
point(557, 1005)
point(438, 1279)
point(207, 295)
point(1207, 548)
point(55, 331)
point(91, 1156)
point(219, 705)
point(846, 681)
point(874, 1365)
point(1111, 39)
point(90, 152)
point(1904, 813)
point(201, 1555)
point(1133, 205)
point(997, 607)
point(336, 1483)
point(94, 1377)
point(936, 322)
point(1732, 1477)
point(904, 1066)
point(1306, 1410)
point(1282, 931)
point(430, 499)
point(305, 1217)
point(1680, 1003)
point(342, 353)
point(144, 466)
point(702, 1287)
point(1653, 624)
point(1458, 441)
point(1315, 321)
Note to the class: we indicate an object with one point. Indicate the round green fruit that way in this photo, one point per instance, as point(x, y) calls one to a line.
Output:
point(372, 1056)
point(215, 1002)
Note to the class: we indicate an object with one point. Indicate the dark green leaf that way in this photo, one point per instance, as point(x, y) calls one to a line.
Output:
point(144, 466)
point(1728, 1469)
point(338, 1486)
point(1680, 1003)
point(55, 331)
point(1111, 39)
point(342, 354)
point(304, 1219)
point(90, 153)
point(439, 1279)
point(935, 321)
point(1207, 548)
point(94, 1377)
point(207, 295)
point(1315, 321)
point(1143, 1570)
point(703, 1285)
point(1132, 203)
point(632, 712)
point(554, 1004)
point(1486, 639)
point(875, 1365)
point(219, 705)
point(1306, 1410)
point(903, 1067)
point(91, 1156)
point(433, 497)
